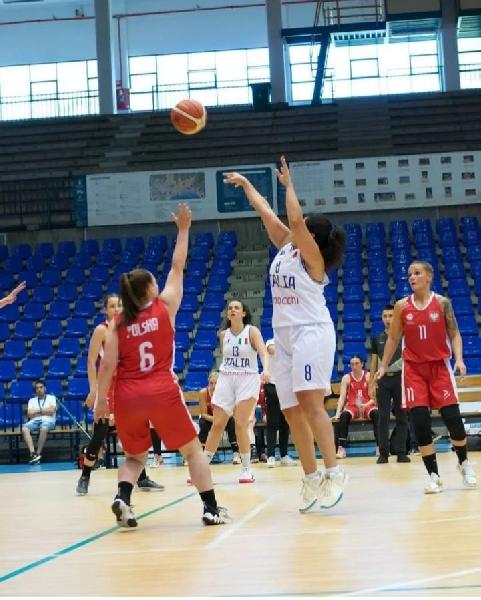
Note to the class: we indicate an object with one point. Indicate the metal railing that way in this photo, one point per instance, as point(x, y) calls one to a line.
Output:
point(44, 106)
point(339, 12)
point(470, 76)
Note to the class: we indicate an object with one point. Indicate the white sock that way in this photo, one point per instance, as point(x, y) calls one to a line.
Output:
point(246, 459)
point(313, 475)
point(209, 455)
point(335, 469)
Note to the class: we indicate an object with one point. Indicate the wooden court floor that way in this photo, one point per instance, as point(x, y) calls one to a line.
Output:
point(385, 538)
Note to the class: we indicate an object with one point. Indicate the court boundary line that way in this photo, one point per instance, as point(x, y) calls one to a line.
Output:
point(84, 542)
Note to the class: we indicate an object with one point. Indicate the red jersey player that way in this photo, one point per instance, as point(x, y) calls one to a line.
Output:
point(140, 347)
point(354, 402)
point(428, 326)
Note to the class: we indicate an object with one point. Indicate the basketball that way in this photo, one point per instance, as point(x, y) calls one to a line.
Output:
point(188, 116)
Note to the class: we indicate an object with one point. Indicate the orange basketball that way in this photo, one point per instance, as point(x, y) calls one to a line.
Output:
point(188, 116)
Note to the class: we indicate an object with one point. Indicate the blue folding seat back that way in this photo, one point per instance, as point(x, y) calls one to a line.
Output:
point(217, 283)
point(9, 313)
point(135, 244)
point(31, 369)
point(90, 247)
point(34, 312)
point(77, 327)
point(14, 349)
point(204, 239)
point(471, 237)
point(201, 360)
point(60, 261)
point(193, 285)
point(462, 305)
point(377, 327)
point(81, 368)
point(59, 368)
point(92, 291)
point(201, 253)
point(332, 308)
point(379, 292)
point(158, 241)
point(44, 249)
point(227, 237)
point(473, 365)
point(30, 278)
point(105, 259)
point(468, 222)
point(52, 277)
point(99, 274)
point(21, 391)
point(197, 267)
point(68, 347)
point(209, 319)
point(452, 254)
point(184, 321)
point(12, 416)
point(13, 264)
point(206, 339)
point(129, 259)
point(8, 371)
point(4, 331)
point(23, 251)
point(50, 329)
point(189, 303)
point(351, 348)
point(41, 348)
point(375, 310)
point(113, 245)
point(402, 289)
point(4, 252)
point(214, 301)
point(472, 346)
point(36, 263)
point(182, 341)
point(195, 380)
point(353, 293)
point(84, 309)
point(179, 362)
point(42, 294)
point(67, 292)
point(68, 412)
point(477, 289)
point(458, 287)
point(77, 389)
point(454, 270)
point(225, 252)
point(75, 276)
point(448, 238)
point(330, 293)
point(7, 282)
point(83, 260)
point(473, 253)
point(222, 267)
point(475, 269)
point(354, 332)
point(67, 247)
point(353, 312)
point(59, 309)
point(467, 325)
point(25, 330)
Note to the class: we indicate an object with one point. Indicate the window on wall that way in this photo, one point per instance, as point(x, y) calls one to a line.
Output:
point(214, 78)
point(469, 53)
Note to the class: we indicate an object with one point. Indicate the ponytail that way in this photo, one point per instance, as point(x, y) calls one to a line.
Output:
point(133, 293)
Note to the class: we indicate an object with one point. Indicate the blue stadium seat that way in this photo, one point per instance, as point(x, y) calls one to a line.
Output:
point(23, 297)
point(201, 253)
point(182, 341)
point(201, 360)
point(179, 362)
point(129, 259)
point(59, 368)
point(50, 329)
point(60, 261)
point(68, 347)
point(42, 294)
point(8, 371)
point(14, 349)
point(77, 389)
point(377, 273)
point(477, 288)
point(12, 416)
point(209, 319)
point(21, 391)
point(221, 266)
point(332, 308)
point(113, 245)
point(184, 321)
point(7, 282)
point(217, 283)
point(113, 287)
point(445, 223)
point(83, 260)
point(354, 332)
point(379, 292)
point(206, 339)
point(4, 331)
point(189, 303)
point(92, 291)
point(67, 292)
point(77, 327)
point(68, 413)
point(44, 249)
point(23, 251)
point(25, 330)
point(4, 252)
point(467, 325)
point(81, 368)
point(154, 254)
point(473, 365)
point(214, 301)
point(473, 253)
point(193, 284)
point(353, 293)
point(351, 348)
point(30, 278)
point(472, 346)
point(31, 368)
point(34, 312)
point(330, 293)
point(13, 264)
point(41, 348)
point(195, 381)
point(375, 309)
point(471, 237)
point(75, 276)
point(462, 305)
point(52, 277)
point(454, 270)
point(448, 238)
point(376, 327)
point(84, 309)
point(197, 267)
point(468, 222)
point(122, 268)
point(9, 313)
point(204, 239)
point(59, 309)
point(158, 241)
point(402, 289)
point(452, 254)
point(353, 312)
point(135, 244)
point(67, 247)
point(105, 259)
point(99, 274)
point(90, 247)
point(225, 252)
point(227, 237)
point(458, 287)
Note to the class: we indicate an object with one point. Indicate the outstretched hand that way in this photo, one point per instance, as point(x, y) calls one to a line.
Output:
point(235, 179)
point(183, 218)
point(283, 174)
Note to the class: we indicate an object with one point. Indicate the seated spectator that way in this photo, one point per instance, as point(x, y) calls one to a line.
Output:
point(354, 402)
point(275, 420)
point(41, 418)
point(206, 418)
point(259, 427)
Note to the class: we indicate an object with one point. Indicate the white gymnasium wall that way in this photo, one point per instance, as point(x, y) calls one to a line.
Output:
point(51, 32)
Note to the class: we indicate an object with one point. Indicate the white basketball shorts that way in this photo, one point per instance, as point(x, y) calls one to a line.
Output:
point(234, 388)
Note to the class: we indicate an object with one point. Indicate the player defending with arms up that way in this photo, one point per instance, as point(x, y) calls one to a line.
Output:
point(427, 323)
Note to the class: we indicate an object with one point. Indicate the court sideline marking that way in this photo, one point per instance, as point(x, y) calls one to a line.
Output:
point(89, 540)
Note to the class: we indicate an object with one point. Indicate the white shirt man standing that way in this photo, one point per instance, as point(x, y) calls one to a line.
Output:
point(41, 418)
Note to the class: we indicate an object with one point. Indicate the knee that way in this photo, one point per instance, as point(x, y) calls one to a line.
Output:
point(454, 423)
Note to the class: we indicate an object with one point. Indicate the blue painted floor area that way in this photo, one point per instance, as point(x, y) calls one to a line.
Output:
point(25, 468)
